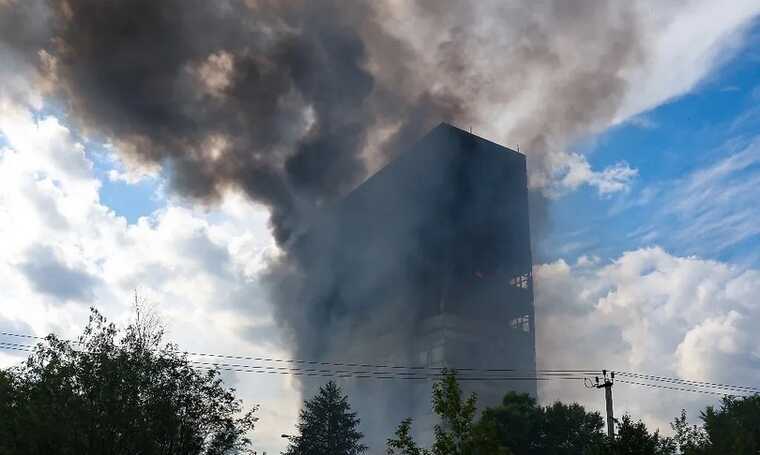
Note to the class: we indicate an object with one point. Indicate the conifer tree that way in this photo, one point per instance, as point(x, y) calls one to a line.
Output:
point(327, 426)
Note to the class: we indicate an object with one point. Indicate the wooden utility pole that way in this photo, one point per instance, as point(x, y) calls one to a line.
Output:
point(606, 383)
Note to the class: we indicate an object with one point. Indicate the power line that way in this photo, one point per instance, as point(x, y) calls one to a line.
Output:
point(267, 369)
point(253, 368)
point(384, 375)
point(19, 335)
point(690, 382)
point(18, 345)
point(373, 370)
point(350, 364)
point(259, 369)
point(15, 349)
point(680, 389)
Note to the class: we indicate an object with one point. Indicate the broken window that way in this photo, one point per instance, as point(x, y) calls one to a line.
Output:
point(520, 281)
point(521, 323)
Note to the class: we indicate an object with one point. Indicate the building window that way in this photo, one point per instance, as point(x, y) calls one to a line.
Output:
point(521, 323)
point(520, 281)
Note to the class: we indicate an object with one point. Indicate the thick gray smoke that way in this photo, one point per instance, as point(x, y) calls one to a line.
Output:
point(540, 74)
point(296, 102)
point(274, 98)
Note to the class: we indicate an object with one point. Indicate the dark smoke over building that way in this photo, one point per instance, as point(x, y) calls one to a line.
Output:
point(292, 103)
point(274, 99)
point(427, 263)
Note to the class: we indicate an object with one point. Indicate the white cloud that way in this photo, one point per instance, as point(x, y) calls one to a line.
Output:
point(713, 208)
point(587, 261)
point(651, 312)
point(573, 170)
point(688, 40)
point(705, 349)
point(19, 80)
point(642, 121)
point(198, 266)
point(132, 173)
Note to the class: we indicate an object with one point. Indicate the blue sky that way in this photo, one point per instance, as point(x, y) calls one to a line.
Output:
point(131, 200)
point(715, 121)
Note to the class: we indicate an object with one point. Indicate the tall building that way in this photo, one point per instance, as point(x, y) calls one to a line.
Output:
point(426, 263)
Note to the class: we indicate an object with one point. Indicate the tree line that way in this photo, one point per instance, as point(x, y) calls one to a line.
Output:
point(127, 392)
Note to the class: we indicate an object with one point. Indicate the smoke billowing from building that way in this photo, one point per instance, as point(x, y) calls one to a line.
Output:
point(291, 102)
point(426, 264)
point(274, 98)
point(296, 102)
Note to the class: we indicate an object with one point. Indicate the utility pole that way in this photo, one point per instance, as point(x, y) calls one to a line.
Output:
point(606, 383)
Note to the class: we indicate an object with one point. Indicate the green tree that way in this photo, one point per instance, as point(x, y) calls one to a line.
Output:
point(516, 422)
point(457, 434)
point(733, 428)
point(118, 392)
point(633, 438)
point(327, 426)
point(559, 429)
point(404, 443)
point(690, 439)
point(569, 429)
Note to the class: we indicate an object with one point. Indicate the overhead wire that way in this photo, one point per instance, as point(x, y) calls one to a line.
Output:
point(681, 389)
point(688, 382)
point(384, 371)
point(586, 371)
point(296, 371)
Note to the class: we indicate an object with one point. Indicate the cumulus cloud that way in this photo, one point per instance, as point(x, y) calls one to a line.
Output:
point(648, 311)
point(572, 170)
point(63, 251)
point(49, 275)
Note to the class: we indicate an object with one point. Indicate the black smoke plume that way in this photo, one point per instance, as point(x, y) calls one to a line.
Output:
point(295, 102)
point(273, 98)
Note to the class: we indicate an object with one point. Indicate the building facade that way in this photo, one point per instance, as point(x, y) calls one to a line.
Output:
point(427, 263)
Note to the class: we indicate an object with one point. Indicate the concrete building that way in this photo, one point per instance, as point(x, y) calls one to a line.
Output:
point(429, 264)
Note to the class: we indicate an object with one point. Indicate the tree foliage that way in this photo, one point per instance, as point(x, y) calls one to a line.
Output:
point(732, 428)
point(458, 433)
point(327, 426)
point(559, 429)
point(118, 392)
point(690, 439)
point(519, 426)
point(633, 438)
